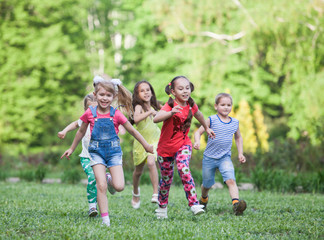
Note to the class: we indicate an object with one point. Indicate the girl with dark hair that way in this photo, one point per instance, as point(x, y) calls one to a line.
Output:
point(145, 107)
point(174, 146)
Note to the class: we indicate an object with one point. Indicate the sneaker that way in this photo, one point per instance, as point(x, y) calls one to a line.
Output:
point(136, 205)
point(155, 198)
point(106, 223)
point(197, 209)
point(203, 203)
point(239, 207)
point(111, 189)
point(93, 212)
point(161, 213)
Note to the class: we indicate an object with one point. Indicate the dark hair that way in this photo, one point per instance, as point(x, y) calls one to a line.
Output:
point(191, 102)
point(136, 100)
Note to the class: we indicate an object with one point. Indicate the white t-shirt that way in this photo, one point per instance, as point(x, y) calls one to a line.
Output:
point(85, 141)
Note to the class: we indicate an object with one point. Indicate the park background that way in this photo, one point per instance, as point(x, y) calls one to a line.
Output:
point(268, 54)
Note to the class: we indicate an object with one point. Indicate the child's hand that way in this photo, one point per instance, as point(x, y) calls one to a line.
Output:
point(241, 158)
point(153, 112)
point(176, 109)
point(61, 134)
point(67, 153)
point(210, 133)
point(196, 145)
point(149, 148)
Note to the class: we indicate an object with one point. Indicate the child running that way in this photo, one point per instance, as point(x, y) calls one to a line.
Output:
point(104, 147)
point(174, 146)
point(218, 151)
point(89, 100)
point(145, 106)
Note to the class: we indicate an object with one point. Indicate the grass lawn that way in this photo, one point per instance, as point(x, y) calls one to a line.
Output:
point(59, 211)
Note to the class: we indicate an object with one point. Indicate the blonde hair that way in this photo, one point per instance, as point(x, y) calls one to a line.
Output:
point(86, 100)
point(222, 95)
point(124, 96)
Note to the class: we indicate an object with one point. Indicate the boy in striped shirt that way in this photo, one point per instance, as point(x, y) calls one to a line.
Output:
point(218, 151)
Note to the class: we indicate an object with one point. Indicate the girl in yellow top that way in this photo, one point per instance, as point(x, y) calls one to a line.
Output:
point(145, 106)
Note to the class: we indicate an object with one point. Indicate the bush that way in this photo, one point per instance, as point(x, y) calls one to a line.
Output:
point(72, 176)
point(40, 172)
point(27, 175)
point(3, 175)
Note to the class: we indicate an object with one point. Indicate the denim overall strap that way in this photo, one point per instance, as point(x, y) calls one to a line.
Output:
point(103, 128)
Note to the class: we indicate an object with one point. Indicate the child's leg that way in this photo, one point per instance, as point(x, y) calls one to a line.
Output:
point(91, 186)
point(100, 174)
point(166, 165)
point(153, 173)
point(118, 180)
point(182, 160)
point(138, 171)
point(233, 189)
point(209, 166)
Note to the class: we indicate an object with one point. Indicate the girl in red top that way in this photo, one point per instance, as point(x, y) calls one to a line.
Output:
point(174, 145)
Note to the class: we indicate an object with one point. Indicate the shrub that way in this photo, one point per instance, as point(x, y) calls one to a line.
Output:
point(40, 172)
point(72, 176)
point(3, 175)
point(27, 175)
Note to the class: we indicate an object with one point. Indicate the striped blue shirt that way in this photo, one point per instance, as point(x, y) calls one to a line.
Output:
point(221, 145)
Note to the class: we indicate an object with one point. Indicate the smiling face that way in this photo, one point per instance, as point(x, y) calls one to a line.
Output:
point(144, 92)
point(181, 90)
point(224, 106)
point(104, 99)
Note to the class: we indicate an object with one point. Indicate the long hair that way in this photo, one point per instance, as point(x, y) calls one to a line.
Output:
point(138, 101)
point(191, 102)
point(124, 97)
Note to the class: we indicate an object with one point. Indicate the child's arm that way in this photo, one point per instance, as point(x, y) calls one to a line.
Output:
point(138, 137)
point(164, 115)
point(140, 115)
point(78, 136)
point(198, 134)
point(198, 115)
point(68, 128)
point(239, 145)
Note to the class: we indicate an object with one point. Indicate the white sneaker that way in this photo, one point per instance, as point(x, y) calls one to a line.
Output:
point(161, 213)
point(107, 224)
point(136, 205)
point(111, 189)
point(155, 198)
point(197, 209)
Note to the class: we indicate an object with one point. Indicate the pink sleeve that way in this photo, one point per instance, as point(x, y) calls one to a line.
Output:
point(166, 107)
point(121, 119)
point(85, 116)
point(194, 109)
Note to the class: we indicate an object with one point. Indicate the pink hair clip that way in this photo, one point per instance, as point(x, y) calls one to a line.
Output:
point(169, 84)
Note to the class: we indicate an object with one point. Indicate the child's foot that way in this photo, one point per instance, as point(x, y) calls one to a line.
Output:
point(155, 198)
point(111, 189)
point(161, 213)
point(197, 209)
point(93, 212)
point(135, 204)
point(239, 207)
point(203, 201)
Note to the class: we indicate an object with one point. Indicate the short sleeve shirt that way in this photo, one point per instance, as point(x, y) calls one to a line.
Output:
point(119, 119)
point(173, 134)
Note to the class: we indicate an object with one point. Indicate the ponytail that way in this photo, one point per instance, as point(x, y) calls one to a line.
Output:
point(124, 99)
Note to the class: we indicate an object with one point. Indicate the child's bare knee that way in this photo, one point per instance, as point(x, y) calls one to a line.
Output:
point(119, 188)
point(230, 182)
point(102, 187)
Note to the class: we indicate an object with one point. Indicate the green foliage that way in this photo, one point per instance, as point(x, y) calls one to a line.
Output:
point(40, 172)
point(27, 175)
point(3, 174)
point(71, 175)
point(61, 213)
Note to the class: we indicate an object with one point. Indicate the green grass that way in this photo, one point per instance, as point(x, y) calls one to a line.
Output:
point(59, 211)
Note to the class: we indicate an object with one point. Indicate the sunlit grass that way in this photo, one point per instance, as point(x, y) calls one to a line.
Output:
point(59, 211)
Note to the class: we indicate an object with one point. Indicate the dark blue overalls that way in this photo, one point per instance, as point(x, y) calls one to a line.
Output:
point(104, 147)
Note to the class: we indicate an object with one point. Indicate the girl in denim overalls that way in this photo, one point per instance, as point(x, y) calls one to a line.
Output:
point(104, 147)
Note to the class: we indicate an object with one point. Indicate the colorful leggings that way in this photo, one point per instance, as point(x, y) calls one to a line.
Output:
point(182, 158)
point(91, 187)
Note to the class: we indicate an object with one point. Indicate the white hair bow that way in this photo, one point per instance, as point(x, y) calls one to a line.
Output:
point(97, 79)
point(116, 81)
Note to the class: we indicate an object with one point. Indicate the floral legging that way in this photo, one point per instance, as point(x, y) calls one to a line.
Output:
point(91, 186)
point(181, 158)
